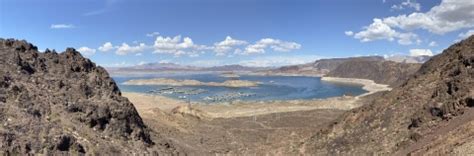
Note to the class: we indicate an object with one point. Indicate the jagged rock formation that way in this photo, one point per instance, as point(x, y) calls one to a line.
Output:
point(52, 103)
point(381, 71)
point(432, 113)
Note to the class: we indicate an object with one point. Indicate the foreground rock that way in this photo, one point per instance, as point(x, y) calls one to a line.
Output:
point(432, 113)
point(54, 103)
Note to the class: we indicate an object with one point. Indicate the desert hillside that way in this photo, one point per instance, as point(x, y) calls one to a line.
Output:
point(432, 113)
point(55, 103)
point(381, 71)
point(317, 68)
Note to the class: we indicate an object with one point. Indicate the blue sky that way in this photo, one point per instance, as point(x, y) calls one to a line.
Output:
point(247, 32)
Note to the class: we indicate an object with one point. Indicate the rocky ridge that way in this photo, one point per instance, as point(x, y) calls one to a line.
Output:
point(384, 72)
point(432, 112)
point(63, 103)
point(317, 68)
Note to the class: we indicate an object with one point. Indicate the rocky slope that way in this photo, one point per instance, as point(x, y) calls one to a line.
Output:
point(381, 71)
point(432, 113)
point(317, 68)
point(54, 103)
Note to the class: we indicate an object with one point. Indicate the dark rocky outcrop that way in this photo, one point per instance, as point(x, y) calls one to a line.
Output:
point(432, 112)
point(381, 71)
point(61, 102)
point(319, 67)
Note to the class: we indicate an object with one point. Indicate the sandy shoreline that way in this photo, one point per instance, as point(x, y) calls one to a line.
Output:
point(146, 102)
point(368, 85)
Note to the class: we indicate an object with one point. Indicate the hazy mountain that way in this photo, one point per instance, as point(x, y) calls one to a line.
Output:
point(409, 59)
point(167, 67)
point(233, 68)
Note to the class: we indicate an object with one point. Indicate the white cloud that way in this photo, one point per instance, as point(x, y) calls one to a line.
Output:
point(274, 44)
point(86, 51)
point(106, 47)
point(152, 34)
point(466, 34)
point(349, 33)
point(142, 63)
point(450, 15)
point(433, 44)
point(138, 54)
point(61, 26)
point(125, 49)
point(272, 61)
point(120, 64)
point(378, 30)
point(421, 52)
point(407, 4)
point(221, 48)
point(406, 38)
point(177, 47)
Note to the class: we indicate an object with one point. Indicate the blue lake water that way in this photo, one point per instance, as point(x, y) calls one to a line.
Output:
point(272, 88)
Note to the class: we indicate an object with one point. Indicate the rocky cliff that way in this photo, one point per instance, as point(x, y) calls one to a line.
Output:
point(63, 103)
point(432, 113)
point(381, 71)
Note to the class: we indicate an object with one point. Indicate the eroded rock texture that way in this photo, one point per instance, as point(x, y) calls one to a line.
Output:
point(62, 102)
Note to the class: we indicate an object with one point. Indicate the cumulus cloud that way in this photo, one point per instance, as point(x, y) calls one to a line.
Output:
point(448, 16)
point(407, 4)
point(152, 34)
point(349, 33)
point(142, 63)
point(61, 26)
point(125, 49)
point(178, 47)
point(119, 64)
point(433, 44)
point(421, 52)
point(106, 47)
point(466, 34)
point(274, 44)
point(221, 48)
point(379, 30)
point(86, 51)
point(273, 61)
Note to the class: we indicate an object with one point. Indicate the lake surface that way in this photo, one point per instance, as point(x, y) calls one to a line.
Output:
point(272, 88)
